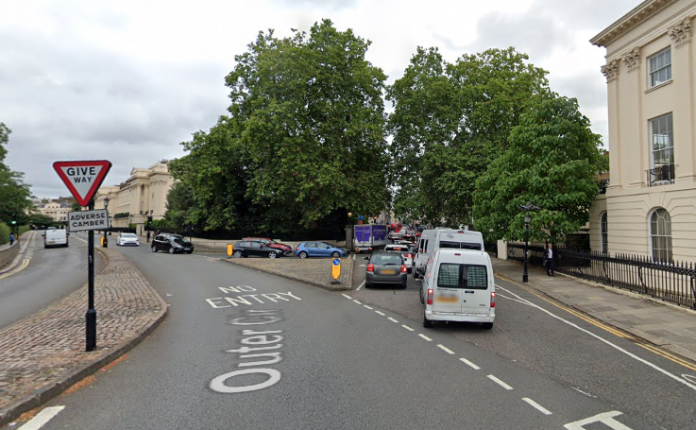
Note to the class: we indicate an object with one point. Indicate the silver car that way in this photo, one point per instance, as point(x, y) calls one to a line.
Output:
point(386, 268)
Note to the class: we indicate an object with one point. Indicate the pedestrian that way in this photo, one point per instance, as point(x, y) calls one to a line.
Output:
point(148, 236)
point(550, 261)
point(11, 239)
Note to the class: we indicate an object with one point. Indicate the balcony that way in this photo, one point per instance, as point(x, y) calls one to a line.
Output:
point(662, 175)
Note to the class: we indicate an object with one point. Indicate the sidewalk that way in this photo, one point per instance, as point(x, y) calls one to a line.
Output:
point(44, 354)
point(668, 326)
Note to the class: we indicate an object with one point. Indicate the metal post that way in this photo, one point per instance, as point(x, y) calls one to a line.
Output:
point(525, 275)
point(91, 316)
point(106, 208)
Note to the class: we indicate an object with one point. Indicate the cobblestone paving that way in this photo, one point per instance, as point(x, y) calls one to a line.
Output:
point(316, 271)
point(46, 352)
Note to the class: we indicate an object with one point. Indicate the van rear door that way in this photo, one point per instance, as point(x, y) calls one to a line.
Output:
point(476, 298)
point(447, 291)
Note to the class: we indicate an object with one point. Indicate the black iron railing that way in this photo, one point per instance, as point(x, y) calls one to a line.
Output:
point(672, 282)
point(662, 175)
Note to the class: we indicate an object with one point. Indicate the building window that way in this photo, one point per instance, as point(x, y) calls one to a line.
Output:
point(660, 67)
point(661, 235)
point(604, 228)
point(662, 147)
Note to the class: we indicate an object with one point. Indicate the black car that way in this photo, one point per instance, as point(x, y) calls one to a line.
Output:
point(172, 243)
point(247, 248)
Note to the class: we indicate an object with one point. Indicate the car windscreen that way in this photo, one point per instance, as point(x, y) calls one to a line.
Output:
point(179, 241)
point(129, 235)
point(460, 245)
point(452, 275)
point(387, 260)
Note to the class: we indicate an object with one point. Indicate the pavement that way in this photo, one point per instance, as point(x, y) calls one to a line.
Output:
point(43, 355)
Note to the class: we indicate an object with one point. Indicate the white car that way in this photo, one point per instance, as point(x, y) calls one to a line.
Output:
point(405, 251)
point(128, 239)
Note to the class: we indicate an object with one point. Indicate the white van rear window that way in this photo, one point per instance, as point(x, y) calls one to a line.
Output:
point(460, 245)
point(462, 276)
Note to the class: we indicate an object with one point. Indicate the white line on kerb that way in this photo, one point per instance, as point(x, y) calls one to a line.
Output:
point(444, 348)
point(357, 302)
point(499, 382)
point(347, 296)
point(537, 406)
point(618, 348)
point(406, 327)
point(425, 337)
point(368, 307)
point(393, 320)
point(361, 285)
point(469, 363)
point(42, 418)
point(380, 313)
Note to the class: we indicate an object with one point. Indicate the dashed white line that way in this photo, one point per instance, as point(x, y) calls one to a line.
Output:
point(380, 313)
point(425, 337)
point(444, 348)
point(469, 363)
point(393, 320)
point(537, 406)
point(347, 296)
point(361, 285)
point(357, 302)
point(406, 327)
point(42, 418)
point(368, 307)
point(499, 382)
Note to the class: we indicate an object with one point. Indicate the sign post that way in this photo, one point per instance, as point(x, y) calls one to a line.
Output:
point(83, 179)
point(336, 270)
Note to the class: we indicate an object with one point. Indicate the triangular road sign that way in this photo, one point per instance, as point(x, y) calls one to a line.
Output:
point(83, 178)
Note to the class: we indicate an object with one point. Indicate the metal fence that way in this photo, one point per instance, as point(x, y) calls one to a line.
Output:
point(673, 282)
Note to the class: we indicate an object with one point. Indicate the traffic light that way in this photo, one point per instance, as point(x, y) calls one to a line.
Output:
point(14, 219)
point(149, 222)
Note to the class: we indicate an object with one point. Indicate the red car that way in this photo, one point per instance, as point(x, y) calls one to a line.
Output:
point(271, 243)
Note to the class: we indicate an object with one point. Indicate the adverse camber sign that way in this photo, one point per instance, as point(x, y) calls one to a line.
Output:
point(83, 178)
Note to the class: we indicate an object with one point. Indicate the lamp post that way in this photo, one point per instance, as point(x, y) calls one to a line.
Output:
point(106, 206)
point(527, 219)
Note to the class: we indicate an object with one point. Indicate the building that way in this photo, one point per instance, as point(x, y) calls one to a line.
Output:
point(57, 209)
point(143, 194)
point(650, 203)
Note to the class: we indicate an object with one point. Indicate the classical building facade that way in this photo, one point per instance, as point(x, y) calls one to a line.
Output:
point(650, 204)
point(144, 193)
point(57, 209)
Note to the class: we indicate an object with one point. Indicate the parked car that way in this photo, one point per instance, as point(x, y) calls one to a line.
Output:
point(172, 243)
point(128, 239)
point(256, 248)
point(287, 249)
point(405, 251)
point(385, 267)
point(319, 249)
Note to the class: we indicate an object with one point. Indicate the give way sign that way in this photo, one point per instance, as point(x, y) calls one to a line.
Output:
point(83, 178)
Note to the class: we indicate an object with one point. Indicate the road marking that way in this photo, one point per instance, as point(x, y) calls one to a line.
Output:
point(406, 327)
point(469, 363)
point(361, 285)
point(499, 382)
point(444, 348)
point(355, 301)
point(537, 406)
point(21, 267)
point(42, 418)
point(347, 296)
point(380, 313)
point(605, 418)
point(668, 356)
point(618, 348)
point(425, 337)
point(368, 307)
point(393, 320)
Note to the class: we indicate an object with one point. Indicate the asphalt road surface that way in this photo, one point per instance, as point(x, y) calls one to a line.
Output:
point(44, 276)
point(246, 350)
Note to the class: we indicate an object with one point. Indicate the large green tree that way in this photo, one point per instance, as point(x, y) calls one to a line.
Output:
point(14, 194)
point(552, 161)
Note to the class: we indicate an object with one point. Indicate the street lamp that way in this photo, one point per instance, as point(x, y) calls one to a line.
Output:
point(106, 206)
point(527, 219)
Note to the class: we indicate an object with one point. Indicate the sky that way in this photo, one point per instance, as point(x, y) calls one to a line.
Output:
point(128, 81)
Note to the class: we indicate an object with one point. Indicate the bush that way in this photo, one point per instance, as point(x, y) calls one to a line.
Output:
point(4, 233)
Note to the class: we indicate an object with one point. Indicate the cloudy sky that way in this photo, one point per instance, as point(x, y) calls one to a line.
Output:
point(127, 81)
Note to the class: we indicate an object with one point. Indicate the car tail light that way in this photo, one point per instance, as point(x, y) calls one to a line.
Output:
point(493, 299)
point(404, 269)
point(370, 267)
point(356, 250)
point(408, 255)
point(369, 249)
point(430, 296)
point(458, 255)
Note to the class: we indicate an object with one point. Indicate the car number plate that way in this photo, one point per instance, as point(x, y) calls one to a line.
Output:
point(388, 272)
point(446, 299)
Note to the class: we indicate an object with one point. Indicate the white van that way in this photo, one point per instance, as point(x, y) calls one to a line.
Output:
point(55, 237)
point(459, 286)
point(433, 240)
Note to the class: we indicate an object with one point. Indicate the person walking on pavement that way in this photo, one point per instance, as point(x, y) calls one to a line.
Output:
point(12, 239)
point(550, 261)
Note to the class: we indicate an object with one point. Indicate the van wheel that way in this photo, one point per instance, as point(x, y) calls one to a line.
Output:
point(426, 322)
point(421, 295)
point(488, 326)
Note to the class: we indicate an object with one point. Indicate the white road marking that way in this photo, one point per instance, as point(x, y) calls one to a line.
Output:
point(361, 285)
point(355, 301)
point(618, 348)
point(499, 382)
point(606, 418)
point(406, 327)
point(380, 313)
point(537, 406)
point(444, 348)
point(425, 337)
point(469, 363)
point(354, 257)
point(347, 296)
point(368, 307)
point(42, 418)
point(393, 320)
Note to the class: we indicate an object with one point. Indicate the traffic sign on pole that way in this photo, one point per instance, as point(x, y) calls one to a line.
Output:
point(83, 178)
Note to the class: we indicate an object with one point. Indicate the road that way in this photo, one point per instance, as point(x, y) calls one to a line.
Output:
point(242, 349)
point(44, 276)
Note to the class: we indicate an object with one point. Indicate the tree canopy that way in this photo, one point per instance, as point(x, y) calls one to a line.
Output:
point(14, 194)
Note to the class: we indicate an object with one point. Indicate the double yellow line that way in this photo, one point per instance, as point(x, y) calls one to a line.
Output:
point(23, 266)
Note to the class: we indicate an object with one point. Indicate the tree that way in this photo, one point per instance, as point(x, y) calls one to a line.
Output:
point(552, 161)
point(14, 194)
